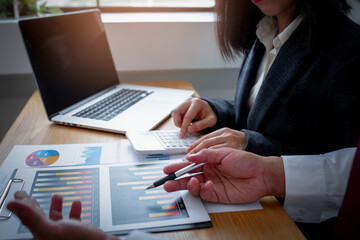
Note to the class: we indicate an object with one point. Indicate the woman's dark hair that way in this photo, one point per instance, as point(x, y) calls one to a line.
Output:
point(237, 20)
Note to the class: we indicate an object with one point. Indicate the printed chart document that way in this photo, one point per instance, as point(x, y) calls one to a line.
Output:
point(113, 198)
point(48, 156)
point(61, 155)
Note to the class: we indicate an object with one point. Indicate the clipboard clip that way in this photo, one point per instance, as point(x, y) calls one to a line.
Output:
point(6, 192)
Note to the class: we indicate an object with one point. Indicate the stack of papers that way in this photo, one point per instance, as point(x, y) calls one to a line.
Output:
point(111, 189)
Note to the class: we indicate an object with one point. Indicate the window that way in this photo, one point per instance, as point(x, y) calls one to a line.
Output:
point(135, 5)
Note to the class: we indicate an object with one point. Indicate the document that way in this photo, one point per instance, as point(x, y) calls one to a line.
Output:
point(113, 198)
point(48, 156)
point(61, 155)
point(51, 156)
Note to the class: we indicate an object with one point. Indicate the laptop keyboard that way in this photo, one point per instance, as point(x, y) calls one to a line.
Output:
point(113, 105)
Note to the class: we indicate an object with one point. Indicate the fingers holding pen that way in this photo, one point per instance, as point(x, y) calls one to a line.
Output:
point(185, 183)
point(171, 168)
point(206, 155)
point(195, 185)
point(201, 188)
point(182, 182)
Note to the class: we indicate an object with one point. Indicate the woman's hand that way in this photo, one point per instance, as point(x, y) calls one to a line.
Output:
point(230, 176)
point(32, 216)
point(193, 109)
point(224, 137)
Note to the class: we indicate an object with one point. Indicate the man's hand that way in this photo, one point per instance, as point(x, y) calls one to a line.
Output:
point(230, 176)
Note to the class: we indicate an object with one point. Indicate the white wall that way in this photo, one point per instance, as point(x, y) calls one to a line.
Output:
point(143, 41)
point(157, 42)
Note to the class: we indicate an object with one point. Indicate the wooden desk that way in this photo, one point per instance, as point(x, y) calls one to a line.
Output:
point(33, 127)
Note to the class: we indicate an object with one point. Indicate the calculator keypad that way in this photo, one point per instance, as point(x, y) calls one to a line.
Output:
point(170, 139)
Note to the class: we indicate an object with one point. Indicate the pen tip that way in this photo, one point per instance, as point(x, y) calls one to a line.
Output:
point(150, 187)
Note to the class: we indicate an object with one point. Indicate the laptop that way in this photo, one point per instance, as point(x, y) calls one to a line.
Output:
point(78, 82)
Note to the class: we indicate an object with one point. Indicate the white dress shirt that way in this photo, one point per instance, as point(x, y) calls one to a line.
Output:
point(266, 31)
point(315, 184)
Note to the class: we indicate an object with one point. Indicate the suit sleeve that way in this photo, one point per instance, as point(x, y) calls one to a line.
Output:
point(224, 110)
point(263, 145)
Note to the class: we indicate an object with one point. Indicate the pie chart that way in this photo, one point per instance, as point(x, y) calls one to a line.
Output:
point(42, 158)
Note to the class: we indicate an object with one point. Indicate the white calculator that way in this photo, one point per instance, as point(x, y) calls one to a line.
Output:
point(160, 141)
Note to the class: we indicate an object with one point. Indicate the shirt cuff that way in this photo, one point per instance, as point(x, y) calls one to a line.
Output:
point(305, 187)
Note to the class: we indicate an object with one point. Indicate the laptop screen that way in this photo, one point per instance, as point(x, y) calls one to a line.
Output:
point(70, 57)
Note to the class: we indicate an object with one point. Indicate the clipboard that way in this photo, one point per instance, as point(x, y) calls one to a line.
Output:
point(6, 191)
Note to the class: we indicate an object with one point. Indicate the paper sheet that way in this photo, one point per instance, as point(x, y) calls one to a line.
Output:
point(113, 198)
point(50, 156)
point(218, 207)
point(60, 155)
point(36, 163)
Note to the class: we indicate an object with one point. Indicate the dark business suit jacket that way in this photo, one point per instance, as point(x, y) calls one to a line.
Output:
point(309, 102)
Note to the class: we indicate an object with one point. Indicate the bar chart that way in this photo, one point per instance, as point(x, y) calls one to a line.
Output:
point(132, 203)
point(74, 184)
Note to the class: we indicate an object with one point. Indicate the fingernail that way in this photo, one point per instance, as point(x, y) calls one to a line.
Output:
point(20, 195)
point(183, 133)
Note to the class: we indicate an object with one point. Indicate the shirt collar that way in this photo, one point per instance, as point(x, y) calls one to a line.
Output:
point(267, 28)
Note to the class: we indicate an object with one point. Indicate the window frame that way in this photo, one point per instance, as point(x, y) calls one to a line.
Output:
point(140, 9)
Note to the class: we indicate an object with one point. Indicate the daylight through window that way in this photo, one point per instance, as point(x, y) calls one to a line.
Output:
point(132, 3)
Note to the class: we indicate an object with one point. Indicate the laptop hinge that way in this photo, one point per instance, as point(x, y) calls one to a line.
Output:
point(53, 115)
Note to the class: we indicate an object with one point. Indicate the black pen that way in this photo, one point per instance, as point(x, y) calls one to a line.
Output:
point(175, 175)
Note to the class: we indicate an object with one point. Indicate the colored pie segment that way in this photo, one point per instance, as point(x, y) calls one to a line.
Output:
point(42, 158)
